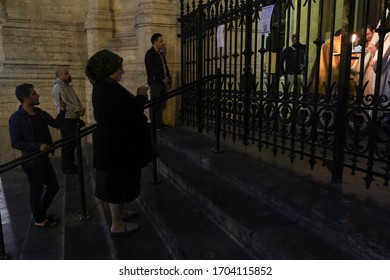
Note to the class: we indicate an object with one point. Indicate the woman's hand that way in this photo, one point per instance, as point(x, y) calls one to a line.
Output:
point(143, 90)
point(43, 147)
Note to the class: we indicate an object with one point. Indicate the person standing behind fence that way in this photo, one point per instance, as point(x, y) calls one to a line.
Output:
point(384, 87)
point(324, 65)
point(368, 70)
point(292, 63)
point(159, 78)
point(121, 141)
point(63, 90)
point(30, 133)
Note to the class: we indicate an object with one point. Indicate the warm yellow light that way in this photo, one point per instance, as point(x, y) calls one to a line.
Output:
point(354, 36)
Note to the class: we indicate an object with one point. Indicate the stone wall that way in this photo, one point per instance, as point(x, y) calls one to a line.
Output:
point(36, 39)
point(161, 17)
point(37, 36)
point(134, 22)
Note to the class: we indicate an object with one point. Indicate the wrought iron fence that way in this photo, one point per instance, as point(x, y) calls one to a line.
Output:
point(333, 107)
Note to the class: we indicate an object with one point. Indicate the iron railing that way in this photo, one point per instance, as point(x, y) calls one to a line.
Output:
point(327, 116)
point(80, 133)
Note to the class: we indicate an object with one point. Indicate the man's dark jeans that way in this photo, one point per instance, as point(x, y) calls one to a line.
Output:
point(157, 91)
point(68, 128)
point(42, 174)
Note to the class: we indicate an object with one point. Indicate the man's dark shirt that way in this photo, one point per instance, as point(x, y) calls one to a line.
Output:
point(27, 134)
point(41, 133)
point(294, 59)
point(155, 67)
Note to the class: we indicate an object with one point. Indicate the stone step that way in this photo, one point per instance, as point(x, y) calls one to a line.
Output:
point(73, 238)
point(356, 227)
point(261, 230)
point(144, 245)
point(23, 240)
point(188, 232)
point(86, 235)
point(172, 226)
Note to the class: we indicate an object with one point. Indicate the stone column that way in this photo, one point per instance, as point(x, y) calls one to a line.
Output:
point(155, 16)
point(125, 27)
point(3, 14)
point(99, 26)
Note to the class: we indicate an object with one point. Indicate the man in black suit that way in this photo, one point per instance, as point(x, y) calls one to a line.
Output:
point(159, 79)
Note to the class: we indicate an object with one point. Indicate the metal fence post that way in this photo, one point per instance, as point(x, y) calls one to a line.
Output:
point(154, 139)
point(217, 104)
point(343, 90)
point(247, 76)
point(199, 56)
point(83, 211)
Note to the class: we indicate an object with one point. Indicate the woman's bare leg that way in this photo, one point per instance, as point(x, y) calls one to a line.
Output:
point(117, 217)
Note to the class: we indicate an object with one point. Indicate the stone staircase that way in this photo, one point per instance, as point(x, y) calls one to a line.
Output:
point(261, 230)
point(274, 212)
point(230, 205)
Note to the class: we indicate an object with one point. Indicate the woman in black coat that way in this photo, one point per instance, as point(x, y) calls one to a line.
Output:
point(121, 142)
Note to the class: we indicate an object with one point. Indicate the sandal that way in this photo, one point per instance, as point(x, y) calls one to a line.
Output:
point(46, 223)
point(130, 214)
point(129, 230)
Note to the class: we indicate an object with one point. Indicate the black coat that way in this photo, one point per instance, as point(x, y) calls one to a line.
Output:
point(154, 67)
point(122, 138)
point(294, 58)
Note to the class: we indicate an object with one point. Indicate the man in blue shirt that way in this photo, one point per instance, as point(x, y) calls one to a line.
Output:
point(30, 133)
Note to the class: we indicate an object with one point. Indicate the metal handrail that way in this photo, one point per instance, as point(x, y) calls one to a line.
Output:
point(186, 87)
point(88, 130)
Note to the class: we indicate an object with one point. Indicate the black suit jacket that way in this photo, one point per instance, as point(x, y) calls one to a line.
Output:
point(154, 67)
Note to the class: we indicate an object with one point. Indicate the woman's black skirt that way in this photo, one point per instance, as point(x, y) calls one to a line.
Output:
point(118, 186)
